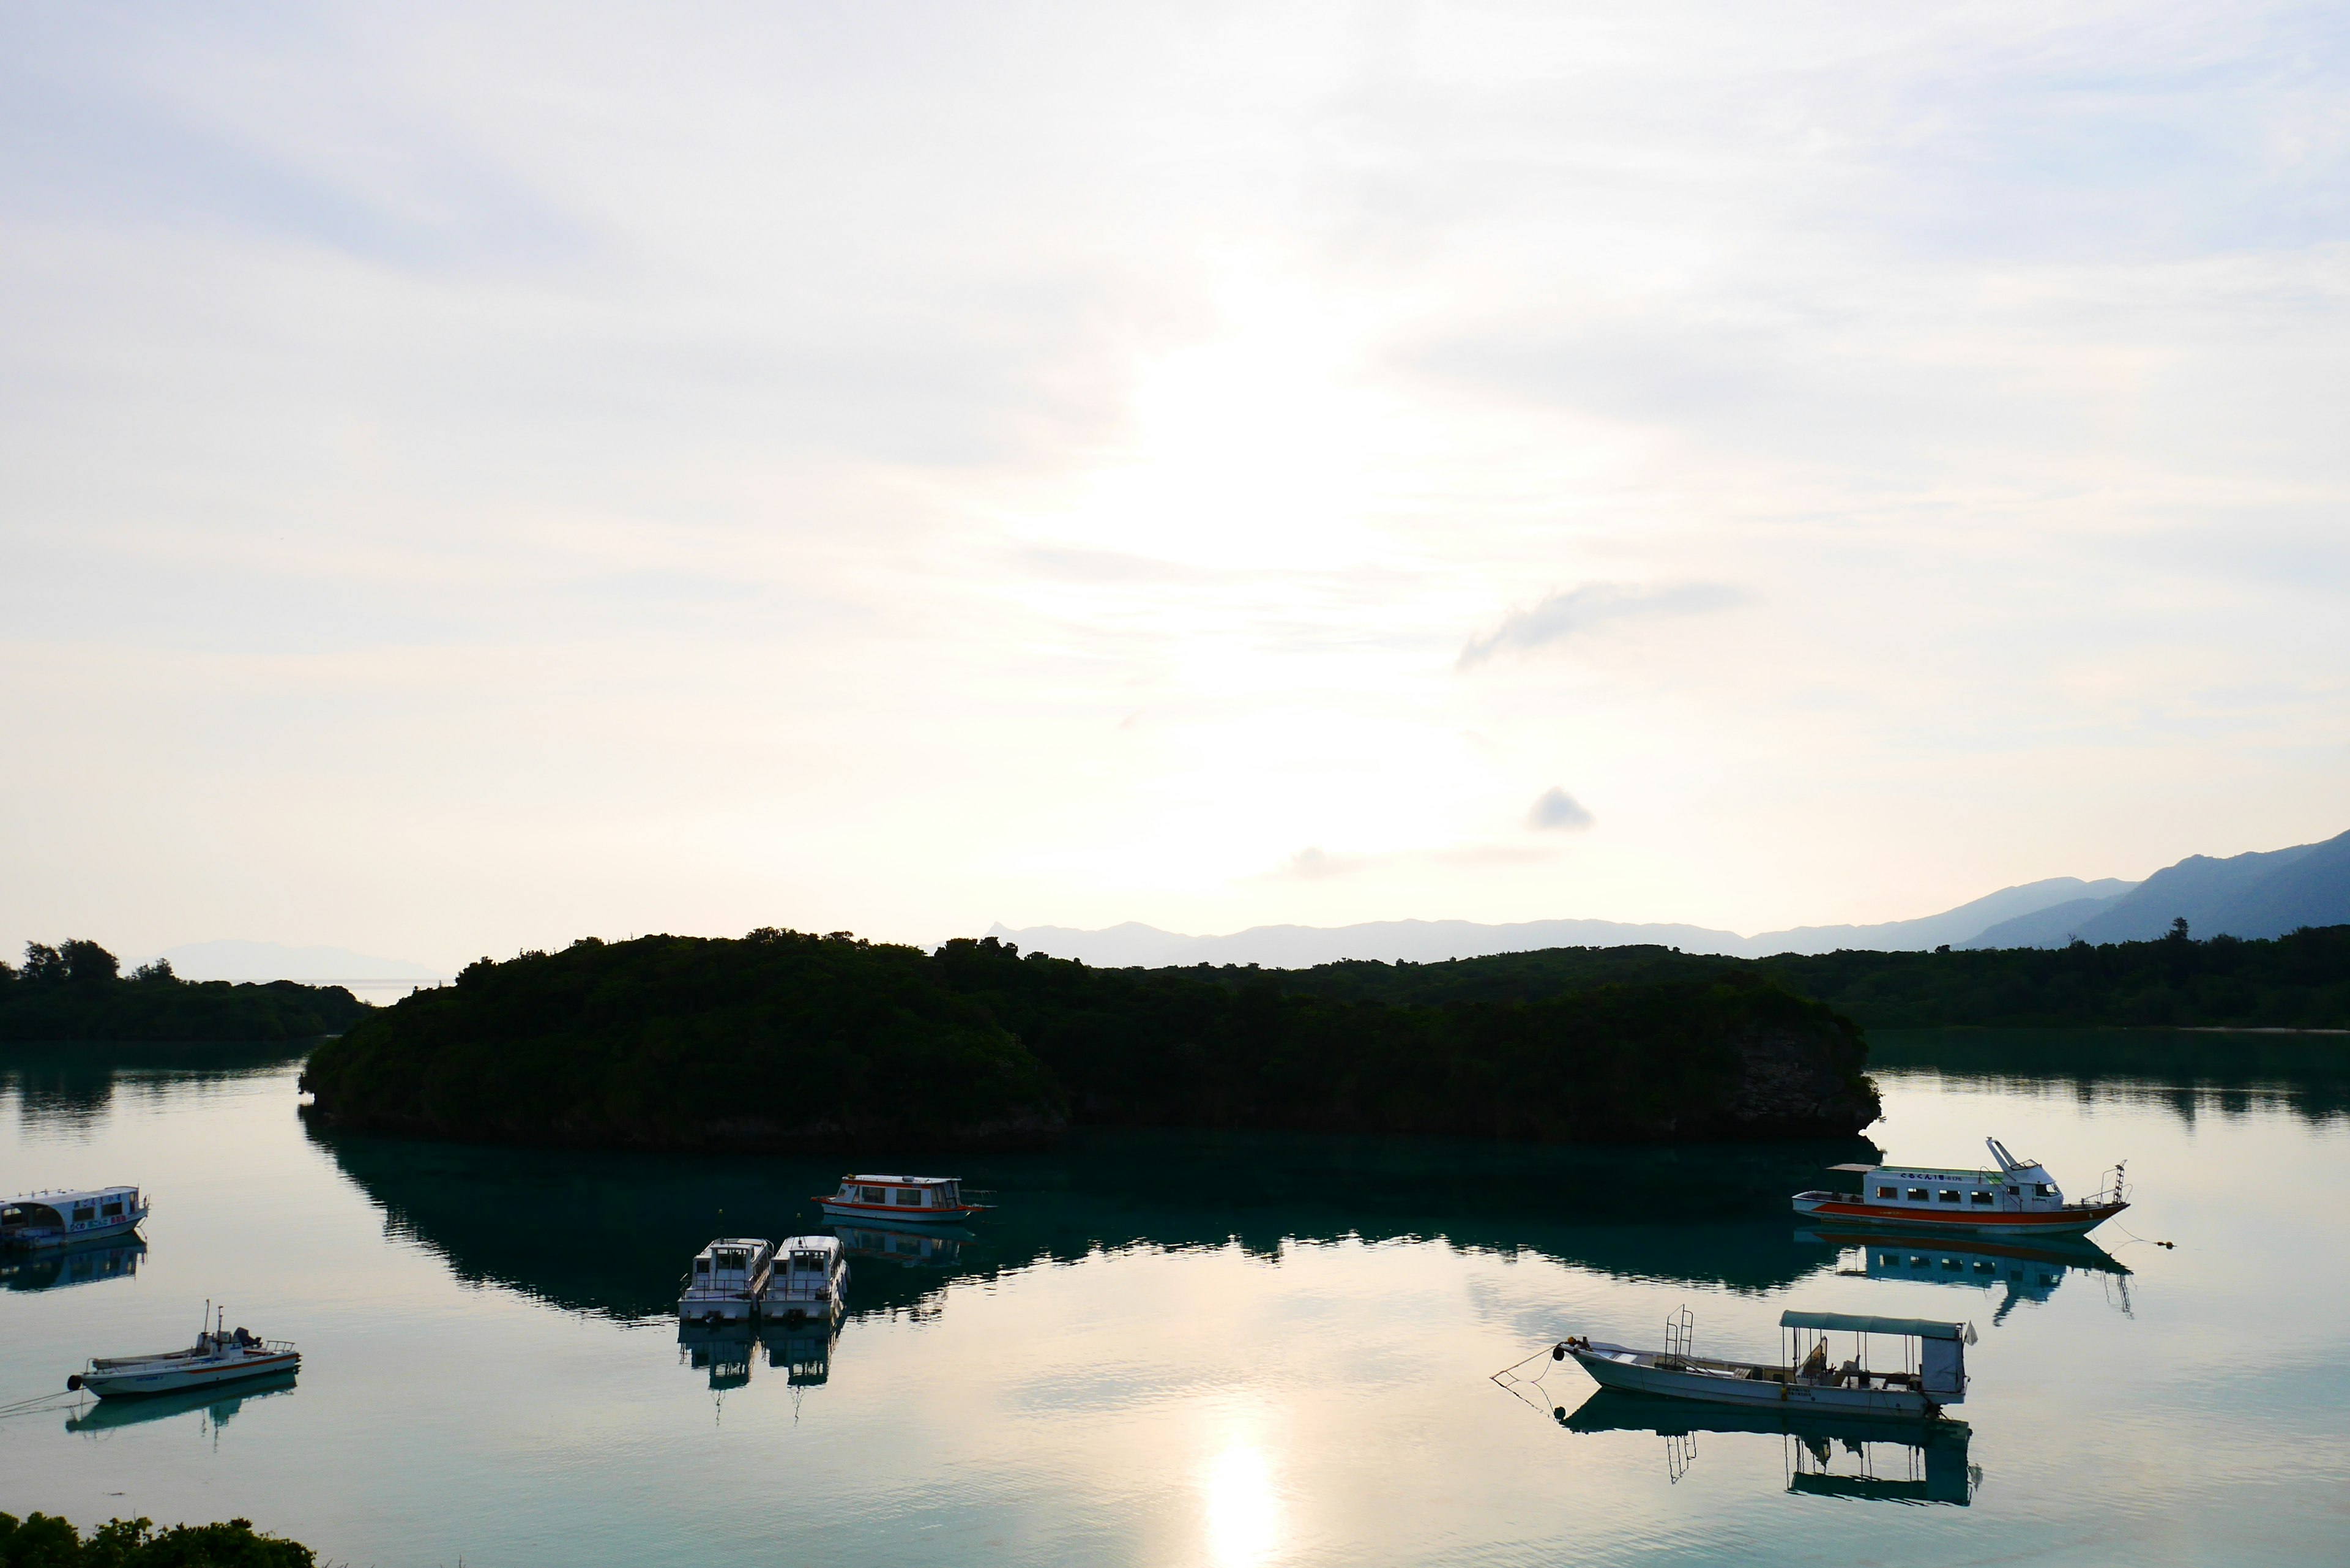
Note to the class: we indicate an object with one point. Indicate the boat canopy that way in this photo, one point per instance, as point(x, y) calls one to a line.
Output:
point(1863, 1323)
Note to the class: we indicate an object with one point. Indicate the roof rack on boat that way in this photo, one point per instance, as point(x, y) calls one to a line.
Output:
point(1864, 1323)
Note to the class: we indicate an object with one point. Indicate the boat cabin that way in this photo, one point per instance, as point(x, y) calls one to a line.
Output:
point(2014, 1186)
point(47, 1219)
point(807, 1261)
point(1933, 1355)
point(730, 1270)
point(881, 1196)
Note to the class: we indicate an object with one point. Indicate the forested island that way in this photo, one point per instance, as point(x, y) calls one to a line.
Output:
point(782, 1039)
point(2296, 981)
point(76, 990)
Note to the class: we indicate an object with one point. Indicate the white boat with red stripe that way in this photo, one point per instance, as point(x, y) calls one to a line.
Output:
point(2016, 1199)
point(901, 1200)
point(220, 1355)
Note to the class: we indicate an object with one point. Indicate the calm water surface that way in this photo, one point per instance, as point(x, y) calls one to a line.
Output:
point(1235, 1351)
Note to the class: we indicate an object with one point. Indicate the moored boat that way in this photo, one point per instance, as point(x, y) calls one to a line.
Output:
point(37, 1221)
point(1934, 1376)
point(2017, 1198)
point(728, 1281)
point(811, 1280)
point(899, 1200)
point(219, 1355)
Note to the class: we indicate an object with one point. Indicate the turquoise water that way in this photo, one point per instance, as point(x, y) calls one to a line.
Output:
point(1195, 1349)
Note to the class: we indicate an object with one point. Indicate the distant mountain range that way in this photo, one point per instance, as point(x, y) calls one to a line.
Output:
point(2257, 895)
point(234, 960)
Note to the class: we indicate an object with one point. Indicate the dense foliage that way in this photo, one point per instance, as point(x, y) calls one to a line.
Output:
point(43, 1541)
point(782, 1039)
point(2301, 980)
point(776, 1038)
point(1241, 1048)
point(76, 990)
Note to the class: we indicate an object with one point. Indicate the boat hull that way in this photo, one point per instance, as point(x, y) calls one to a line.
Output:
point(2072, 1219)
point(887, 1214)
point(50, 1238)
point(162, 1379)
point(716, 1309)
point(1614, 1367)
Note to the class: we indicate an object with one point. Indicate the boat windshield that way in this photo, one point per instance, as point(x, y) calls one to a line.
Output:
point(808, 1262)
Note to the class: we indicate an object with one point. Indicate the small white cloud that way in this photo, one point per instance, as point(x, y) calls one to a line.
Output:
point(1559, 811)
point(1573, 611)
point(1315, 864)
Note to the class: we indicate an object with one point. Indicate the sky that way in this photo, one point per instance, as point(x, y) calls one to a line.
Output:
point(472, 478)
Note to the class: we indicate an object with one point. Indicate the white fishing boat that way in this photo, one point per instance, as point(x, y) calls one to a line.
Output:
point(2014, 1197)
point(1931, 1370)
point(63, 1217)
point(219, 1355)
point(727, 1281)
point(811, 1280)
point(899, 1201)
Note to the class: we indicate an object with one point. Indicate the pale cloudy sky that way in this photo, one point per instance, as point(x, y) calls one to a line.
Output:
point(474, 476)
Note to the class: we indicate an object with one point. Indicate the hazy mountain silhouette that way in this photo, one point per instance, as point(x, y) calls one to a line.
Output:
point(1433, 941)
point(2266, 894)
point(2257, 895)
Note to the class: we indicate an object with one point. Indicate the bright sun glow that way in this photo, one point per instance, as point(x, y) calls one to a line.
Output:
point(1243, 1515)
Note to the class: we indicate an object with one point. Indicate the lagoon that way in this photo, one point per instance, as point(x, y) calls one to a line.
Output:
point(1189, 1348)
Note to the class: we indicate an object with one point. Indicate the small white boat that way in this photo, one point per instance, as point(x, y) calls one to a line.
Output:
point(811, 1280)
point(43, 1219)
point(1932, 1375)
point(2016, 1199)
point(219, 1355)
point(728, 1279)
point(899, 1201)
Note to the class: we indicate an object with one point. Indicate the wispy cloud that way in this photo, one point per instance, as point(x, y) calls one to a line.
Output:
point(1573, 611)
point(1558, 811)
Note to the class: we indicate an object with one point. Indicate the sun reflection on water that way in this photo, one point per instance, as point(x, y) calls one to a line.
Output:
point(1243, 1515)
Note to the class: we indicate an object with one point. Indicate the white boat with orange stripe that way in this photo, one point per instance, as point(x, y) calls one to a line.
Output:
point(2017, 1198)
point(901, 1200)
point(218, 1356)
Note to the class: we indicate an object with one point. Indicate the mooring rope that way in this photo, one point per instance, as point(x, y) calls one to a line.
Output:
point(39, 1404)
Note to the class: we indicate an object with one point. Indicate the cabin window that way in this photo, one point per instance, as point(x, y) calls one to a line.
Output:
point(1917, 1195)
point(84, 1216)
point(112, 1210)
point(2041, 1190)
point(1982, 1198)
point(2015, 1193)
point(1949, 1195)
point(1888, 1192)
point(700, 1266)
point(874, 1194)
point(909, 1197)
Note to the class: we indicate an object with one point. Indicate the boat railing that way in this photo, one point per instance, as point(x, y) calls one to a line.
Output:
point(2116, 1189)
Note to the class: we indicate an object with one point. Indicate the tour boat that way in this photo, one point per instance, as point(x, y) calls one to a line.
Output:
point(220, 1355)
point(59, 1219)
point(730, 1277)
point(1812, 1380)
point(2017, 1198)
point(811, 1279)
point(901, 1200)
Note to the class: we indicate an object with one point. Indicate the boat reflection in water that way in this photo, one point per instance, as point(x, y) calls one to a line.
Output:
point(217, 1405)
point(1825, 1456)
point(117, 1258)
point(2024, 1271)
point(933, 1246)
point(729, 1352)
